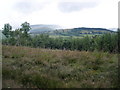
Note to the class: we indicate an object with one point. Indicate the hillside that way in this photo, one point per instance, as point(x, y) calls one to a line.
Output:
point(46, 68)
point(55, 30)
point(42, 28)
point(81, 31)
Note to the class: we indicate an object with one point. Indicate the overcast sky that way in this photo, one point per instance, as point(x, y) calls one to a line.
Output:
point(68, 13)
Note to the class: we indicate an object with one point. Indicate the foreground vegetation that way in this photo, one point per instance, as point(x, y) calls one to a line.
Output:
point(46, 68)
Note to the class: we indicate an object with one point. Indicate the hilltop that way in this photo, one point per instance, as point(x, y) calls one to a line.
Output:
point(42, 28)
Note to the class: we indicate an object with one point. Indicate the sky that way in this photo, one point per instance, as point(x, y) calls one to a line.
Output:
point(66, 13)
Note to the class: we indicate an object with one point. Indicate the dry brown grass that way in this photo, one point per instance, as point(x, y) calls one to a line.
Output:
point(35, 67)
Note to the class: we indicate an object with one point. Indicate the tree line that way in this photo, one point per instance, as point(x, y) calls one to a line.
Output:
point(20, 37)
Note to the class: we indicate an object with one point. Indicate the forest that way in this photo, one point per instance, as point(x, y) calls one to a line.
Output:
point(20, 37)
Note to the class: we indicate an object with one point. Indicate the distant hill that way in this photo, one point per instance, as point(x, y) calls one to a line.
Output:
point(81, 31)
point(57, 30)
point(42, 28)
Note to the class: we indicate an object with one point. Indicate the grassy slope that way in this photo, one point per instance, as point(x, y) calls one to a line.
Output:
point(34, 67)
point(79, 32)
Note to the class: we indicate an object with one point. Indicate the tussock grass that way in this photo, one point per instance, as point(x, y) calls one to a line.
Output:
point(46, 68)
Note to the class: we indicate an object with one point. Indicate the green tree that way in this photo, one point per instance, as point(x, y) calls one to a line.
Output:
point(6, 30)
point(25, 38)
point(25, 28)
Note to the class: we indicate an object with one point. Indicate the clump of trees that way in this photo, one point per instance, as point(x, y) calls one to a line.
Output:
point(20, 37)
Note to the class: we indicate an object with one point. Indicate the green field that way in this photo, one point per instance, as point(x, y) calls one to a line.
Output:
point(58, 36)
point(46, 68)
point(81, 36)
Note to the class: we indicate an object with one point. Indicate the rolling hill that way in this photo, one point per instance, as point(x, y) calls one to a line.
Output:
point(56, 30)
point(42, 28)
point(81, 31)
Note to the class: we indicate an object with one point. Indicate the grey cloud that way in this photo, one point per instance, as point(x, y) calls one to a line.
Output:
point(75, 6)
point(27, 7)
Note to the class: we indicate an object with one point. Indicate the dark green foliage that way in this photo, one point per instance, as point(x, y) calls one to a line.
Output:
point(18, 37)
point(106, 42)
point(25, 27)
point(7, 30)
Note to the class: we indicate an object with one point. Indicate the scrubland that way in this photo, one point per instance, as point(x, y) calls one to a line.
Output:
point(25, 67)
